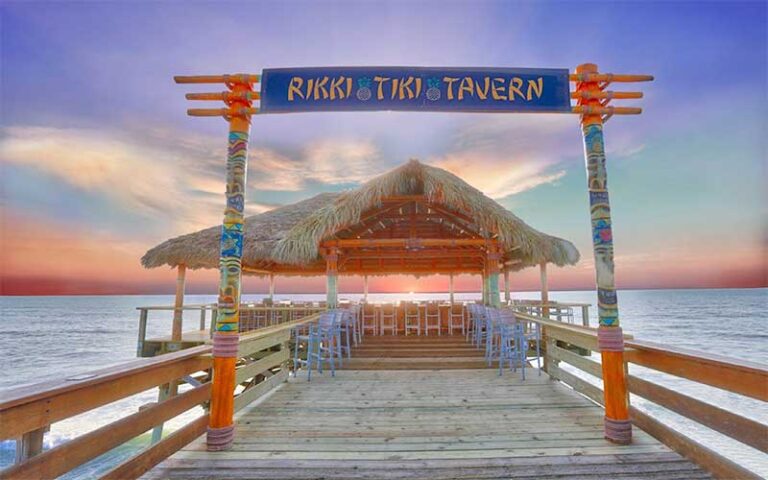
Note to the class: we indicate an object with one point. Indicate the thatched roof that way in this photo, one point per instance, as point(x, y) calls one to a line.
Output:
point(291, 235)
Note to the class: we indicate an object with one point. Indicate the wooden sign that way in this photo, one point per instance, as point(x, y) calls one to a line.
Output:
point(414, 89)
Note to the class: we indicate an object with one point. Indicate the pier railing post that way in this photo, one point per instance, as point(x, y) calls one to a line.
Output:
point(221, 428)
point(610, 339)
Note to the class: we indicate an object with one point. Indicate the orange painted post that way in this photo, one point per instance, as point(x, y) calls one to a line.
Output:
point(618, 428)
point(221, 428)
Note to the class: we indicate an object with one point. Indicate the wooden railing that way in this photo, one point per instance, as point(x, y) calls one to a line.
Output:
point(560, 311)
point(27, 412)
point(736, 376)
point(249, 316)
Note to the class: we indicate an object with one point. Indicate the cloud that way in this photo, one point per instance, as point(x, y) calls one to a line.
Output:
point(505, 156)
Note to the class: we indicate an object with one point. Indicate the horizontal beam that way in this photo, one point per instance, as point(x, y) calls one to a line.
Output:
point(222, 112)
point(609, 77)
point(236, 78)
point(225, 96)
point(406, 242)
point(588, 110)
point(608, 95)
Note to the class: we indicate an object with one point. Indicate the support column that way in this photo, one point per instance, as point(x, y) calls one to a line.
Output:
point(178, 313)
point(485, 287)
point(507, 296)
point(331, 274)
point(221, 428)
point(492, 266)
point(450, 287)
point(544, 289)
point(365, 288)
point(272, 288)
point(618, 428)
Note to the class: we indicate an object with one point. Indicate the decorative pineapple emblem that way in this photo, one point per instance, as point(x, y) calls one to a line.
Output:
point(433, 92)
point(364, 89)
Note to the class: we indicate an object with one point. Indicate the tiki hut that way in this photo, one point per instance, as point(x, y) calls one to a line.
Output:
point(415, 219)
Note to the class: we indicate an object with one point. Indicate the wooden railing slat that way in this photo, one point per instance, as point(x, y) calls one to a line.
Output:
point(261, 365)
point(582, 363)
point(706, 458)
point(249, 346)
point(253, 393)
point(745, 378)
point(70, 455)
point(43, 411)
point(743, 429)
point(138, 465)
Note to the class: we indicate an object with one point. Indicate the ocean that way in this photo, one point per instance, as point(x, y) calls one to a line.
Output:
point(48, 338)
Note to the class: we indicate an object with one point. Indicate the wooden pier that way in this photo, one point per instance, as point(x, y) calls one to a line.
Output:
point(426, 424)
point(398, 409)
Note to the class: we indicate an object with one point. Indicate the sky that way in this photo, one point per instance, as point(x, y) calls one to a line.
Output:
point(99, 162)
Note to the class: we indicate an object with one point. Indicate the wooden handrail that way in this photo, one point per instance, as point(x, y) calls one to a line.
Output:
point(28, 408)
point(738, 376)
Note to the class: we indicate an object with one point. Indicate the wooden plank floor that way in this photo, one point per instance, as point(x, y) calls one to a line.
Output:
point(426, 424)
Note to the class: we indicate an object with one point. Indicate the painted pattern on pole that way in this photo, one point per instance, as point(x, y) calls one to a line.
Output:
point(230, 261)
point(602, 236)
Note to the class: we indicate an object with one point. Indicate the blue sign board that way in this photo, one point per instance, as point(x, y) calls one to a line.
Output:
point(415, 89)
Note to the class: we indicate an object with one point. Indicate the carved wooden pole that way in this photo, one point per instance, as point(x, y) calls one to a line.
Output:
point(331, 277)
point(221, 429)
point(610, 339)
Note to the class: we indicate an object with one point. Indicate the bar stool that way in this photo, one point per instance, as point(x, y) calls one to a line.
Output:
point(456, 313)
point(324, 337)
point(347, 332)
point(432, 313)
point(412, 317)
point(387, 319)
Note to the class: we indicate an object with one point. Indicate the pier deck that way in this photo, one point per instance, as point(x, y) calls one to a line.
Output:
point(391, 424)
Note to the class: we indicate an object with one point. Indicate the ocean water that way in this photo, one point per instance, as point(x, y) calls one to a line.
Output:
point(48, 338)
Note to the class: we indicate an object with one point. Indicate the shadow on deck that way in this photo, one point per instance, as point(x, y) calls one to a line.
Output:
point(455, 423)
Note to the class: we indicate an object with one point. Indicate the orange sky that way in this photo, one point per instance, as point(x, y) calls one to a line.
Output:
point(51, 259)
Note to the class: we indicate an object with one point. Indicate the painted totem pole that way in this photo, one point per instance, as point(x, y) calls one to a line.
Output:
point(221, 429)
point(618, 427)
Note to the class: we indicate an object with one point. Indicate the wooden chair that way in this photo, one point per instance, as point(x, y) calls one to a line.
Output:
point(412, 317)
point(369, 319)
point(432, 318)
point(388, 319)
point(456, 319)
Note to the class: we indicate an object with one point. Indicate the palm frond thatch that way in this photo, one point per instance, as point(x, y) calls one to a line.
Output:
point(291, 235)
